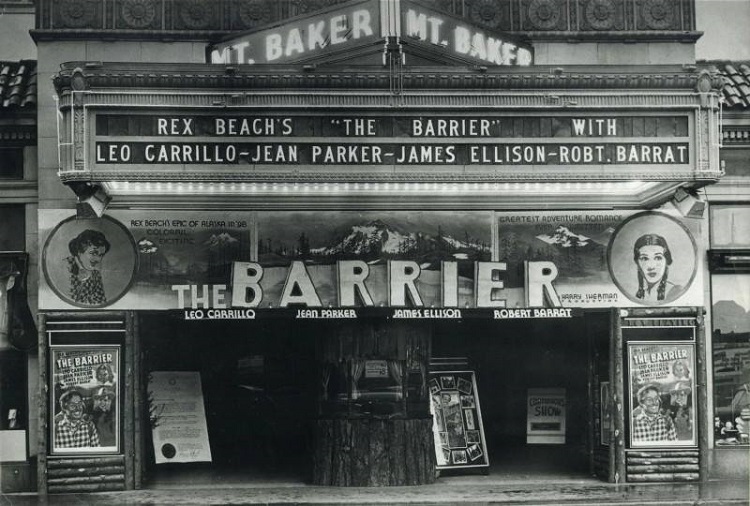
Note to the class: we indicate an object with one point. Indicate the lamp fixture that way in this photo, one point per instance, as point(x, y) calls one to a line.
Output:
point(93, 199)
point(688, 203)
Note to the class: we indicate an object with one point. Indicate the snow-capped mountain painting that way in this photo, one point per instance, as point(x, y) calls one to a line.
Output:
point(220, 240)
point(378, 237)
point(574, 243)
point(565, 238)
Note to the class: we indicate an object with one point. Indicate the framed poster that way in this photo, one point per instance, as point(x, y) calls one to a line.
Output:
point(662, 382)
point(85, 404)
point(457, 420)
point(178, 418)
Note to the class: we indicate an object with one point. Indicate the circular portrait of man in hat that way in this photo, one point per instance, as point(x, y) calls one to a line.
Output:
point(652, 258)
point(90, 262)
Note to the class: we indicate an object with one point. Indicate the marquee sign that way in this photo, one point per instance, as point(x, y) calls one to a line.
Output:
point(370, 23)
point(348, 264)
point(321, 33)
point(239, 139)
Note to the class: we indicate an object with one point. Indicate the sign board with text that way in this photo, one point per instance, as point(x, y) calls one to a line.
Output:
point(178, 417)
point(421, 264)
point(545, 422)
point(241, 142)
point(357, 25)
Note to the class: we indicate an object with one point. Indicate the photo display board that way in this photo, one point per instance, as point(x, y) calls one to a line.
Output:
point(457, 420)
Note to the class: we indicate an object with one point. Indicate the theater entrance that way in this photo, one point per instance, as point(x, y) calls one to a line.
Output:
point(260, 383)
point(538, 382)
point(257, 381)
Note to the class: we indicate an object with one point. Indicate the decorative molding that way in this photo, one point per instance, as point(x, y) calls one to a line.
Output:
point(79, 140)
point(286, 175)
point(163, 19)
point(375, 79)
point(736, 136)
point(568, 101)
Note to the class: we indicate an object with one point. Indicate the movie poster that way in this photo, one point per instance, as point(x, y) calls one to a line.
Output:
point(662, 386)
point(457, 420)
point(85, 399)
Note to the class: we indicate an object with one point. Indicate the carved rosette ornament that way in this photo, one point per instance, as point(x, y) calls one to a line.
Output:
point(658, 14)
point(544, 14)
point(444, 5)
point(254, 12)
point(76, 13)
point(138, 13)
point(305, 6)
point(196, 14)
point(600, 14)
point(486, 12)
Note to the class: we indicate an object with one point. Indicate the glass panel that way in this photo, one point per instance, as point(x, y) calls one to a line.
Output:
point(11, 163)
point(730, 226)
point(731, 356)
point(12, 228)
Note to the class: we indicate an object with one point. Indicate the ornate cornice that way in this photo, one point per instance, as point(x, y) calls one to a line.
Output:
point(82, 76)
point(211, 19)
point(297, 176)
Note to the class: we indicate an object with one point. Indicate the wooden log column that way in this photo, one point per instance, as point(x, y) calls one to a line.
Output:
point(374, 431)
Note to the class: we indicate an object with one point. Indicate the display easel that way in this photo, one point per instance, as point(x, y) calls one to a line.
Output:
point(458, 430)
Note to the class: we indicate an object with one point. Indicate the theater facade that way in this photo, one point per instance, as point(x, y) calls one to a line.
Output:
point(373, 243)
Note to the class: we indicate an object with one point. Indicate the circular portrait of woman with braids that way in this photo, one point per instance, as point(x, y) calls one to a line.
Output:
point(652, 258)
point(90, 262)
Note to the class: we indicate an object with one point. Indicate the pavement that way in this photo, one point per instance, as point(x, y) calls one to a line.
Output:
point(466, 490)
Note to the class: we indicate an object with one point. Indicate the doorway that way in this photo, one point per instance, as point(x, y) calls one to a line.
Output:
point(512, 356)
point(258, 386)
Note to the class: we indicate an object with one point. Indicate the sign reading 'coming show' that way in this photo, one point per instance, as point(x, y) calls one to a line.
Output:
point(332, 264)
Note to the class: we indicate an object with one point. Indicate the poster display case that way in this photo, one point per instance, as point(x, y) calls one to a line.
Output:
point(457, 420)
point(662, 383)
point(85, 399)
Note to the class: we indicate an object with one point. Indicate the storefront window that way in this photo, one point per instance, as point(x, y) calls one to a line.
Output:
point(12, 228)
point(730, 294)
point(11, 162)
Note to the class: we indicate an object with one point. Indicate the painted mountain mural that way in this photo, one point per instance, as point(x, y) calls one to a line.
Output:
point(202, 257)
point(377, 241)
point(576, 254)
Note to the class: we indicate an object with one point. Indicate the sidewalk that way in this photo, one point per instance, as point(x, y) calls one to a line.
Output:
point(469, 490)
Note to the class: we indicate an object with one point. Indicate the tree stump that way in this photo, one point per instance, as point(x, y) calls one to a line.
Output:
point(374, 426)
point(372, 452)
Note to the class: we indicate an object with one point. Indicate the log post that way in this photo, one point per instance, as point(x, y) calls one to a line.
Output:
point(374, 426)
